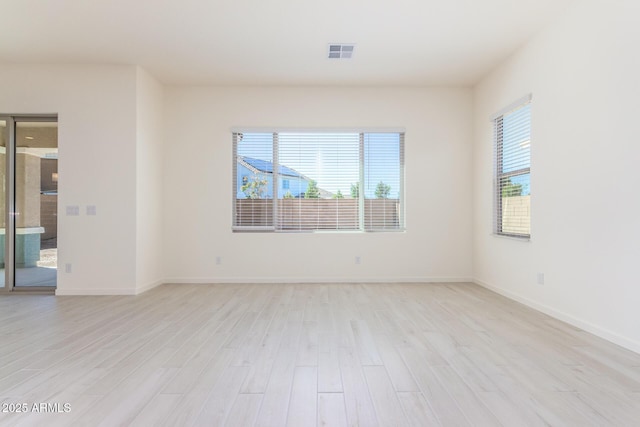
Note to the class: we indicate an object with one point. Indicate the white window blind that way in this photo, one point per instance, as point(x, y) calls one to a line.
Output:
point(308, 181)
point(512, 194)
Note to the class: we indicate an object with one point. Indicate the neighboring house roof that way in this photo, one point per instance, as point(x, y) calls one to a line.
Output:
point(324, 194)
point(265, 166)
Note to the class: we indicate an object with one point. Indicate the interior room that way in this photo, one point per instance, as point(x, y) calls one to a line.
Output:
point(478, 269)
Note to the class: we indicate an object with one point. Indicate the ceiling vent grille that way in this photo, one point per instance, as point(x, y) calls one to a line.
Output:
point(340, 51)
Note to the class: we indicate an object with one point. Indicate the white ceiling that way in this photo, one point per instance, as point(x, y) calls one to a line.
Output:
point(277, 42)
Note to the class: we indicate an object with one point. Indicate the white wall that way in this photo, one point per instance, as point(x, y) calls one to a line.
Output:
point(149, 180)
point(198, 181)
point(96, 106)
point(583, 72)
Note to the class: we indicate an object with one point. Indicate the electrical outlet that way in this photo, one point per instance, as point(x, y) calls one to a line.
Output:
point(540, 278)
point(358, 260)
point(218, 260)
point(67, 267)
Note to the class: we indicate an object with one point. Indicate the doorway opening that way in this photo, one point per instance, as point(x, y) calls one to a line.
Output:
point(29, 201)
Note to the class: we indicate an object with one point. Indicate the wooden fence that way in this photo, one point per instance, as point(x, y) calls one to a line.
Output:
point(516, 215)
point(318, 214)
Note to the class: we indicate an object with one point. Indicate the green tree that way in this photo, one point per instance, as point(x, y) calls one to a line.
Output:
point(288, 195)
point(254, 188)
point(355, 190)
point(338, 195)
point(312, 190)
point(382, 190)
point(510, 189)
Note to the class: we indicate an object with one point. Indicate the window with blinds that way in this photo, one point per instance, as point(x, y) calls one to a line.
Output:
point(512, 138)
point(312, 181)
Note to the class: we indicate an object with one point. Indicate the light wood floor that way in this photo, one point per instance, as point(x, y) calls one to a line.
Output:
point(307, 355)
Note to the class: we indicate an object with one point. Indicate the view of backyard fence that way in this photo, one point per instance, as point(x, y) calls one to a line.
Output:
point(318, 214)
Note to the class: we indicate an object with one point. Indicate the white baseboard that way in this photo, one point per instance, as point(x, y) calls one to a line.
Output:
point(148, 286)
point(93, 292)
point(243, 280)
point(314, 279)
point(613, 337)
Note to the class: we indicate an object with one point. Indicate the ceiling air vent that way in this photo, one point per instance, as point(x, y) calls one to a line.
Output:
point(341, 51)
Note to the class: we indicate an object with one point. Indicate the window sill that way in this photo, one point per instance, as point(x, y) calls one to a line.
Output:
point(512, 238)
point(271, 230)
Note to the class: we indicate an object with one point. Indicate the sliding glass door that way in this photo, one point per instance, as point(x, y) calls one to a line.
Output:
point(29, 202)
point(4, 134)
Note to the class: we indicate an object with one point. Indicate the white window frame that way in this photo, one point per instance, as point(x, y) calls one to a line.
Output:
point(362, 226)
point(499, 175)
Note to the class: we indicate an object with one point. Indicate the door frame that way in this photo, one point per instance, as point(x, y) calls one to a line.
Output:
point(11, 121)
